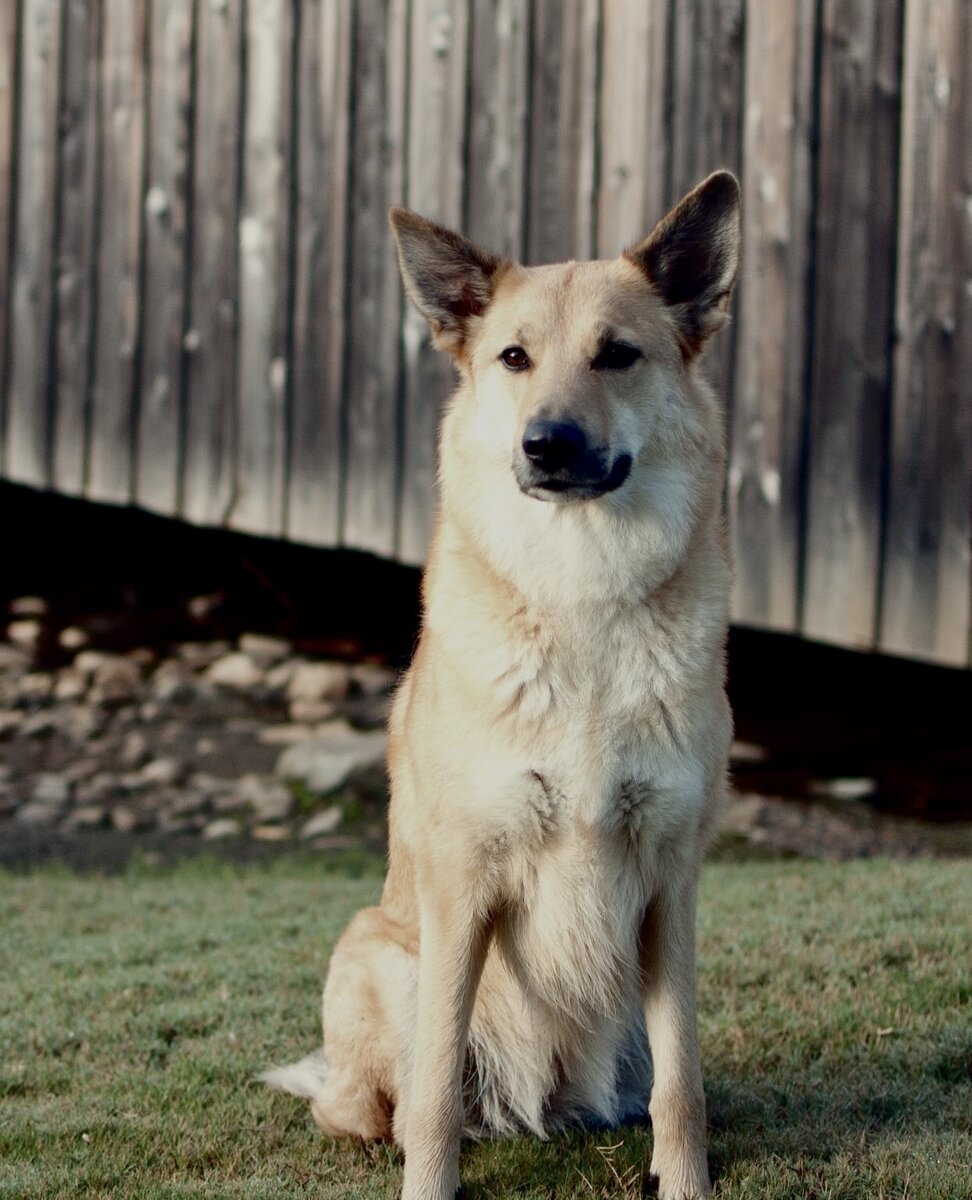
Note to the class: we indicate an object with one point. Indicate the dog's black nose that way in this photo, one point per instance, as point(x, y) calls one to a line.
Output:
point(553, 445)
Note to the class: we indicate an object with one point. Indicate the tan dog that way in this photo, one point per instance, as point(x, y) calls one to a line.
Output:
point(558, 746)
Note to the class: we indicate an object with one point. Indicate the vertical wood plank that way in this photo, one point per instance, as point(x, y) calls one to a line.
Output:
point(9, 47)
point(632, 127)
point(34, 247)
point(764, 473)
point(119, 236)
point(159, 409)
point(706, 122)
point(264, 233)
point(926, 582)
point(371, 416)
point(498, 103)
point(850, 377)
point(77, 250)
point(211, 398)
point(563, 111)
point(319, 297)
point(437, 110)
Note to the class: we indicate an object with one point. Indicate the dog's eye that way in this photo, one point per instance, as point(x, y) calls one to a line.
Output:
point(515, 358)
point(616, 356)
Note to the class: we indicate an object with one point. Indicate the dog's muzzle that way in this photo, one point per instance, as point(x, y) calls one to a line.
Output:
point(555, 462)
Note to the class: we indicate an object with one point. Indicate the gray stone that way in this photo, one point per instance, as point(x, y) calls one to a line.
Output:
point(222, 827)
point(319, 681)
point(271, 833)
point(117, 680)
point(268, 798)
point(81, 722)
point(283, 735)
point(323, 762)
point(37, 724)
point(323, 822)
point(9, 800)
point(35, 687)
point(37, 813)
point(25, 633)
point(52, 788)
point(13, 658)
point(162, 771)
point(372, 679)
point(72, 638)
point(89, 661)
point(27, 606)
point(69, 685)
point(98, 789)
point(235, 670)
point(264, 650)
point(276, 680)
point(844, 789)
point(88, 816)
point(199, 655)
point(311, 712)
point(172, 681)
point(127, 820)
point(134, 751)
point(10, 722)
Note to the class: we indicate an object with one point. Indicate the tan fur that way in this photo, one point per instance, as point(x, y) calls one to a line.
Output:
point(558, 747)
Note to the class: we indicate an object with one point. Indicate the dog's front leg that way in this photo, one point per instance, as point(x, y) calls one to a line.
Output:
point(677, 1105)
point(452, 949)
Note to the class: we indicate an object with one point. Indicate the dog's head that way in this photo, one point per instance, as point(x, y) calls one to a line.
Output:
point(578, 383)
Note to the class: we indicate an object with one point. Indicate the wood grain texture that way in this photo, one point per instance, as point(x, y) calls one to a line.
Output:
point(632, 128)
point(563, 130)
point(320, 317)
point(32, 265)
point(436, 130)
point(159, 407)
point(925, 600)
point(211, 413)
point(371, 416)
point(263, 372)
point(76, 275)
point(496, 158)
point(119, 240)
point(9, 58)
point(850, 381)
point(764, 475)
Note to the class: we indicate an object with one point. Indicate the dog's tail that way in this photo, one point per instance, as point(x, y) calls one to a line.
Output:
point(305, 1078)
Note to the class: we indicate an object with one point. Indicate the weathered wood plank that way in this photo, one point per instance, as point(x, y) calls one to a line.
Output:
point(159, 409)
point(320, 317)
point(764, 474)
point(9, 57)
point(926, 599)
point(211, 397)
point(498, 106)
point(265, 232)
point(632, 129)
point(436, 129)
point(563, 130)
point(119, 236)
point(850, 383)
point(35, 245)
point(706, 122)
point(372, 419)
point(77, 248)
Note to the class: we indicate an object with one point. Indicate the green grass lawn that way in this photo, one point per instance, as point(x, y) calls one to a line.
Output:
point(835, 1011)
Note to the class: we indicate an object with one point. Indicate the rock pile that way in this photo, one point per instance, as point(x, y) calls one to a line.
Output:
point(209, 738)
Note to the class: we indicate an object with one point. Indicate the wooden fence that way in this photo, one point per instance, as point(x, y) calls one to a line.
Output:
point(201, 312)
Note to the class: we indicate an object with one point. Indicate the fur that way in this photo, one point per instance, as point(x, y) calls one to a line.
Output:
point(558, 747)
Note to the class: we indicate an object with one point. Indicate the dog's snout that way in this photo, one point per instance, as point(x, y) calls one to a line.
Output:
point(553, 445)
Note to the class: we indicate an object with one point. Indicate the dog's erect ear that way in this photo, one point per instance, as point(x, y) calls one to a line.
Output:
point(450, 279)
point(691, 257)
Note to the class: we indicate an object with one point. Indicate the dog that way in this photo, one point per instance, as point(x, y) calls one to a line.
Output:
point(558, 747)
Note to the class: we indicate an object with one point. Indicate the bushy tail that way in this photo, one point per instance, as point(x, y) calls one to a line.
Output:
point(305, 1078)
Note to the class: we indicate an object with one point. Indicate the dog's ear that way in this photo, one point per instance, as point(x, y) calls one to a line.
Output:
point(450, 279)
point(691, 257)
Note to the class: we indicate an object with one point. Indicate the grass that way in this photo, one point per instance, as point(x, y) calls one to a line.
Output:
point(836, 1035)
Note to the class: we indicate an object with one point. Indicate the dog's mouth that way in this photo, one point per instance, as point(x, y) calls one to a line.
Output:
point(567, 485)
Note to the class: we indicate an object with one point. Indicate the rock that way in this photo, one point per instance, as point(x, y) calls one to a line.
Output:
point(283, 735)
point(844, 789)
point(6, 772)
point(100, 788)
point(36, 687)
point(162, 771)
point(222, 827)
point(114, 681)
point(319, 681)
point(271, 833)
point(187, 802)
point(69, 685)
point(27, 606)
point(264, 650)
point(72, 638)
point(9, 801)
point(50, 788)
point(747, 752)
point(311, 712)
point(11, 722)
point(235, 670)
point(324, 761)
point(199, 655)
point(36, 813)
point(326, 821)
point(88, 661)
point(37, 724)
point(25, 633)
point(88, 816)
point(269, 799)
point(82, 769)
point(372, 679)
point(127, 820)
point(13, 658)
point(277, 679)
point(368, 711)
point(206, 746)
point(134, 752)
point(172, 681)
point(81, 722)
